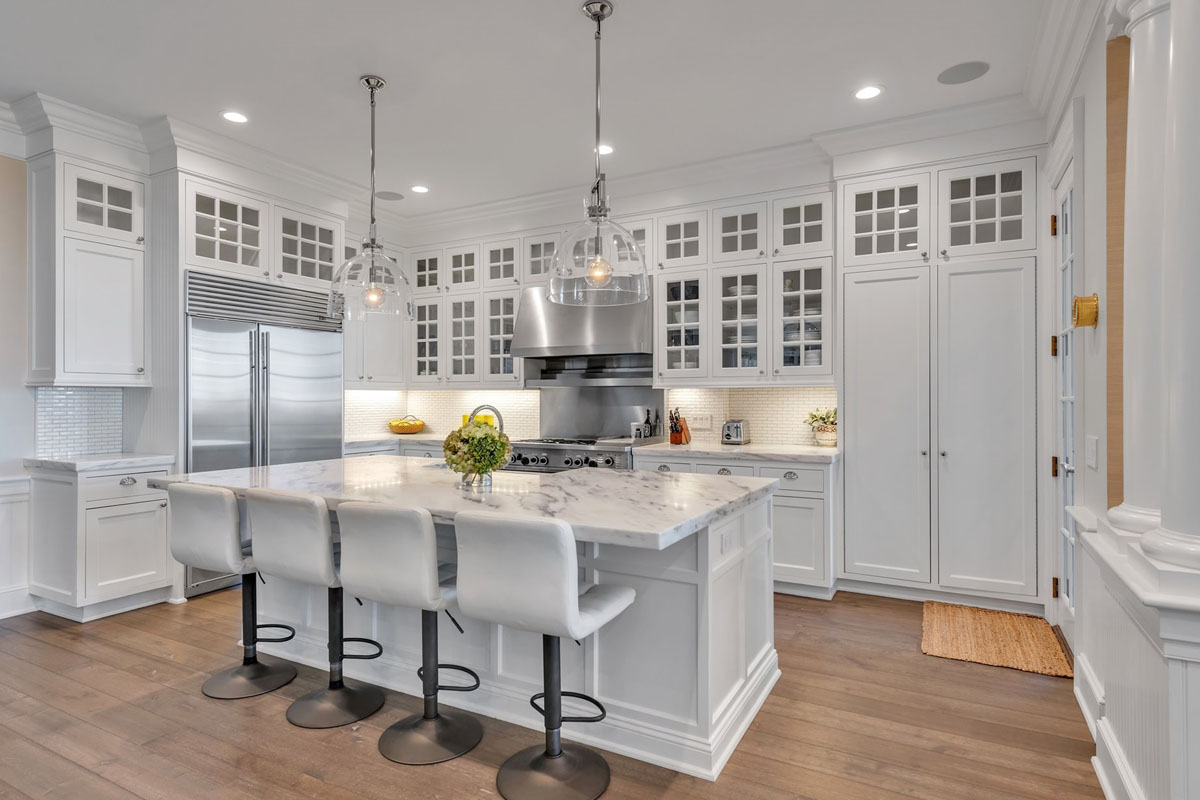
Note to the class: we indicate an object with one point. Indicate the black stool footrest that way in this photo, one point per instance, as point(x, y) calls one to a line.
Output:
point(578, 696)
point(291, 633)
point(364, 656)
point(450, 687)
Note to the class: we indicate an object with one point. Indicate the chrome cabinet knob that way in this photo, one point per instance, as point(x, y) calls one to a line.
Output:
point(762, 372)
point(663, 468)
point(791, 476)
point(266, 273)
point(360, 377)
point(660, 265)
point(370, 377)
point(943, 454)
point(776, 252)
point(924, 452)
point(777, 370)
point(163, 504)
point(128, 480)
point(660, 374)
point(925, 254)
point(280, 276)
point(141, 240)
point(141, 370)
point(945, 254)
point(724, 471)
point(762, 253)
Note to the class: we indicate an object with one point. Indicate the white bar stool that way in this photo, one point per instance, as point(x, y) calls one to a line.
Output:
point(293, 539)
point(523, 573)
point(389, 555)
point(206, 533)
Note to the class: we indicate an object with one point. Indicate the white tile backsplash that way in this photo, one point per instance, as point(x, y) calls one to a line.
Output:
point(76, 421)
point(367, 411)
point(772, 415)
point(443, 410)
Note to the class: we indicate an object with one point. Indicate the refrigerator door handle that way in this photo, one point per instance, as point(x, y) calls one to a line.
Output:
point(265, 399)
point(254, 400)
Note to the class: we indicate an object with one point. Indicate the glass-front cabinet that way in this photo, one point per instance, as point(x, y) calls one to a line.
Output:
point(500, 262)
point(681, 337)
point(740, 310)
point(225, 230)
point(739, 232)
point(462, 317)
point(801, 319)
point(426, 330)
point(987, 208)
point(308, 247)
point(427, 277)
point(683, 239)
point(538, 256)
point(499, 320)
point(462, 268)
point(802, 225)
point(886, 220)
point(104, 205)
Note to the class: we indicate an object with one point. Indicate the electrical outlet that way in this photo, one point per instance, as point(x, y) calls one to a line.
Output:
point(700, 422)
point(1091, 450)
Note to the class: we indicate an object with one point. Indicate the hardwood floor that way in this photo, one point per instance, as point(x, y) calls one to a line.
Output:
point(112, 709)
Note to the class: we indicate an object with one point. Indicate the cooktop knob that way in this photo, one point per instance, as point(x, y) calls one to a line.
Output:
point(608, 461)
point(543, 459)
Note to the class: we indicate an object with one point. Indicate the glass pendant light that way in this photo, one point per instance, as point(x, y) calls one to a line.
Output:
point(599, 263)
point(371, 282)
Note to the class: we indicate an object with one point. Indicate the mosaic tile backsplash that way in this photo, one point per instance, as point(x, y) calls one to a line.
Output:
point(772, 415)
point(74, 421)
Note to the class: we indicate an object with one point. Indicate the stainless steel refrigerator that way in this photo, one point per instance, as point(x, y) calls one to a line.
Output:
point(259, 394)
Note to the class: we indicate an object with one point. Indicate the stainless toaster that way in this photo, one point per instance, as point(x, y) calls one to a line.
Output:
point(734, 432)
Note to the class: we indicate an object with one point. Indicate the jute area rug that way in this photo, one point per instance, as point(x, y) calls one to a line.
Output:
point(998, 638)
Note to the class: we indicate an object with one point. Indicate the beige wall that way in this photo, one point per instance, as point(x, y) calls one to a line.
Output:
point(16, 400)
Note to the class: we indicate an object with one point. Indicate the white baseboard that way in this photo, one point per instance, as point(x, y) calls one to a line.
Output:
point(15, 600)
point(104, 609)
point(804, 590)
point(938, 595)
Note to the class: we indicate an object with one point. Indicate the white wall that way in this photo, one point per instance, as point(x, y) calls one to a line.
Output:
point(16, 401)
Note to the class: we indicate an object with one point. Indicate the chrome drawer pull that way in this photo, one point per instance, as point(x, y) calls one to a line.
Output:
point(663, 468)
point(724, 471)
point(791, 476)
point(128, 481)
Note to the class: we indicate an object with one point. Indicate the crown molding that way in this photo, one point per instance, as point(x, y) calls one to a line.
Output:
point(932, 125)
point(1065, 29)
point(43, 120)
point(12, 140)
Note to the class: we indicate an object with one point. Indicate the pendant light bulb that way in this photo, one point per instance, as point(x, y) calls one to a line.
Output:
point(599, 273)
point(373, 297)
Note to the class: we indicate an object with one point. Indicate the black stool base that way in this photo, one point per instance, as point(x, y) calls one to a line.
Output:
point(331, 708)
point(580, 773)
point(419, 741)
point(248, 680)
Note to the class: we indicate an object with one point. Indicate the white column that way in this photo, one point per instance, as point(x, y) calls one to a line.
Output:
point(1150, 56)
point(1178, 539)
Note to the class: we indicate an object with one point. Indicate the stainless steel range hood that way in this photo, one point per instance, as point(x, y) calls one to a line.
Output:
point(583, 345)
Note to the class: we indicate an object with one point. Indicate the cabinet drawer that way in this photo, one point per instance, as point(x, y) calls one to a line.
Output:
point(796, 480)
point(725, 469)
point(422, 452)
point(665, 466)
point(129, 484)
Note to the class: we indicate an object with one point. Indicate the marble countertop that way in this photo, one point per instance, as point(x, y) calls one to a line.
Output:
point(389, 439)
point(636, 509)
point(99, 461)
point(766, 451)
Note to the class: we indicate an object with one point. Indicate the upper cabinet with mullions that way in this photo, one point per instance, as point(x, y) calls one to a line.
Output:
point(225, 230)
point(739, 232)
point(979, 209)
point(308, 248)
point(100, 204)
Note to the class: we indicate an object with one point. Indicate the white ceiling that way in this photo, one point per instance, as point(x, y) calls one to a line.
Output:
point(488, 100)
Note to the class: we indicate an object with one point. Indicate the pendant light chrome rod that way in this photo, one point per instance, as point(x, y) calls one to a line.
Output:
point(599, 19)
point(373, 83)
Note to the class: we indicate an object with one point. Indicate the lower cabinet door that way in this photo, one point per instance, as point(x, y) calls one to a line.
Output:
point(799, 528)
point(104, 317)
point(383, 348)
point(125, 550)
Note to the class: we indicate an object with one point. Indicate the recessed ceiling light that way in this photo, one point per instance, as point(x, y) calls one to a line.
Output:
point(963, 73)
point(389, 196)
point(235, 116)
point(605, 149)
point(868, 92)
point(420, 189)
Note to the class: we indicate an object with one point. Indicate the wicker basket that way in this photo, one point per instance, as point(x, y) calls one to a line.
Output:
point(409, 424)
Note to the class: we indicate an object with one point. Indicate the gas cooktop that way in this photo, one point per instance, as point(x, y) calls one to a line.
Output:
point(556, 455)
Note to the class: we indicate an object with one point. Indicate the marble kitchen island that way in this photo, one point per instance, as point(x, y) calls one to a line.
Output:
point(682, 672)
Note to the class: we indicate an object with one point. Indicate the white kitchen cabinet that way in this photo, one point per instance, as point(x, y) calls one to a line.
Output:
point(373, 351)
point(802, 225)
point(226, 230)
point(681, 336)
point(461, 332)
point(461, 268)
point(427, 275)
point(426, 449)
point(499, 321)
point(986, 426)
point(103, 312)
point(886, 438)
point(537, 263)
point(501, 267)
point(801, 327)
point(427, 358)
point(723, 469)
point(642, 231)
point(683, 239)
point(886, 220)
point(801, 537)
point(100, 204)
point(308, 248)
point(739, 232)
point(125, 549)
point(740, 317)
point(987, 208)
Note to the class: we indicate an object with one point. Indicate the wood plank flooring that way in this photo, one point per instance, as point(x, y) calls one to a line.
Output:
point(112, 709)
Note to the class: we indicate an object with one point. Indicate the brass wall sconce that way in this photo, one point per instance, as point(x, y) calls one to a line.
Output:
point(1085, 311)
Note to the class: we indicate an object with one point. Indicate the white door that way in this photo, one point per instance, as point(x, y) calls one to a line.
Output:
point(799, 531)
point(802, 225)
point(885, 423)
point(104, 315)
point(461, 270)
point(986, 435)
point(538, 256)
point(226, 231)
point(1064, 250)
point(682, 345)
point(740, 232)
point(801, 334)
point(427, 357)
point(105, 205)
point(740, 319)
point(308, 248)
point(499, 320)
point(462, 337)
point(353, 368)
point(427, 276)
point(383, 349)
point(500, 263)
point(125, 550)
point(886, 220)
point(683, 239)
point(987, 208)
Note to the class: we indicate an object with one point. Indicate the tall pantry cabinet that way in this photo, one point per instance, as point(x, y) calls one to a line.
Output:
point(939, 400)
